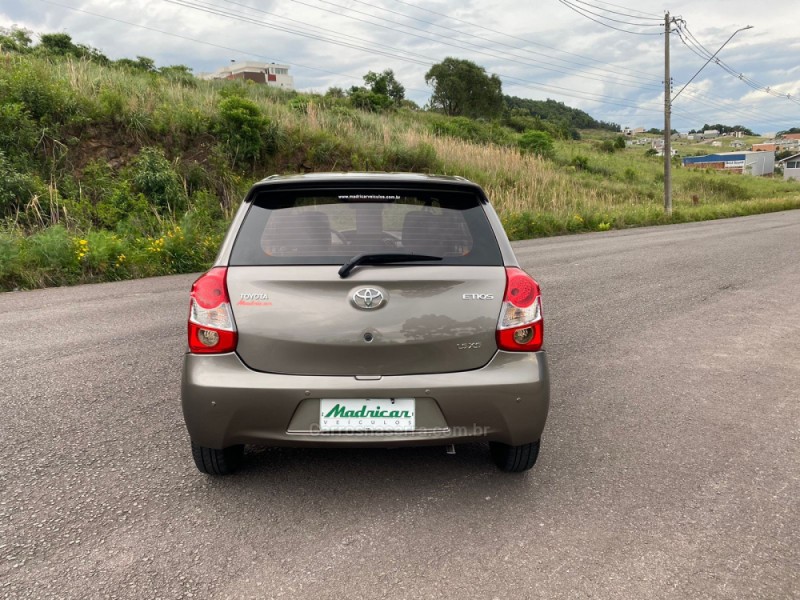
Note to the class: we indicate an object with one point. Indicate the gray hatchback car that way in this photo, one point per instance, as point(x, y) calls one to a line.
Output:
point(365, 309)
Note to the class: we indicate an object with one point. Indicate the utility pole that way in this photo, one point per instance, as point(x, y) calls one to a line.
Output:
point(667, 121)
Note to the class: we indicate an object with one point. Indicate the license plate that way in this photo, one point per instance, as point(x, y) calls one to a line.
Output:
point(366, 414)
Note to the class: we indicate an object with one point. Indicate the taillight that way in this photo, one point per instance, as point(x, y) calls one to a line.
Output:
point(211, 326)
point(520, 327)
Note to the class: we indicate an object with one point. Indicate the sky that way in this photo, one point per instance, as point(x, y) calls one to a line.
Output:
point(566, 50)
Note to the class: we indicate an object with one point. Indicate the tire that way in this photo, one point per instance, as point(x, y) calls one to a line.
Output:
point(514, 459)
point(217, 462)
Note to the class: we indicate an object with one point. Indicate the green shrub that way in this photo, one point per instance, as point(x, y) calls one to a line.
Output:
point(470, 130)
point(10, 264)
point(580, 162)
point(607, 146)
point(537, 142)
point(153, 176)
point(630, 175)
point(36, 87)
point(50, 257)
point(16, 188)
point(246, 132)
point(18, 133)
point(419, 158)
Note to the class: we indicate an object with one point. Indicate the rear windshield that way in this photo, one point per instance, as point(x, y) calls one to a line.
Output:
point(328, 227)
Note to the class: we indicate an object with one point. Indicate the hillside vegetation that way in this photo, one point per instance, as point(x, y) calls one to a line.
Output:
point(109, 172)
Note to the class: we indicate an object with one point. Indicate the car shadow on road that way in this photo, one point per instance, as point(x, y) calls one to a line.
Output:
point(362, 474)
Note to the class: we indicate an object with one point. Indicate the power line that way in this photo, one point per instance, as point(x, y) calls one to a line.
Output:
point(498, 43)
point(588, 16)
point(513, 37)
point(518, 82)
point(204, 42)
point(596, 69)
point(700, 50)
point(218, 11)
point(641, 15)
point(602, 16)
point(474, 47)
point(569, 92)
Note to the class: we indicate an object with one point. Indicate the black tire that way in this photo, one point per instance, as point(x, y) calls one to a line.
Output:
point(514, 459)
point(217, 462)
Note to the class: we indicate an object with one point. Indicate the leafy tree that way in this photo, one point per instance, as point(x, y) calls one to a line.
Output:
point(179, 74)
point(57, 44)
point(15, 39)
point(462, 88)
point(385, 84)
point(142, 63)
point(361, 97)
point(619, 142)
point(335, 92)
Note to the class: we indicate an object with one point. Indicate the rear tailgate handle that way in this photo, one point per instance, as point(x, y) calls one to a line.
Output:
point(368, 377)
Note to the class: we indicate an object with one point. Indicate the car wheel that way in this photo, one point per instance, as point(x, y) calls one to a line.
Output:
point(514, 459)
point(217, 462)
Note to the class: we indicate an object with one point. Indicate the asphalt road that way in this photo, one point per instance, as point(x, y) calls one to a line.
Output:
point(670, 465)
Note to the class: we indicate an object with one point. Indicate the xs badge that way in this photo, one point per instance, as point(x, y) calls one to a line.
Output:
point(468, 346)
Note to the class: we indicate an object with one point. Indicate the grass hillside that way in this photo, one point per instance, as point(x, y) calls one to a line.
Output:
point(107, 173)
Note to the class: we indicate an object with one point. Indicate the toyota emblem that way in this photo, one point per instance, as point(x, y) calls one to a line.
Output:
point(368, 298)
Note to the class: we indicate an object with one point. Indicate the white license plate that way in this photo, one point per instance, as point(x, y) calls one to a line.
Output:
point(366, 414)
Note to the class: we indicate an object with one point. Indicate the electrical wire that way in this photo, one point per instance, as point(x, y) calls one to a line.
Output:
point(207, 43)
point(580, 12)
point(700, 50)
point(571, 4)
point(513, 37)
point(472, 47)
point(212, 9)
point(641, 15)
point(631, 78)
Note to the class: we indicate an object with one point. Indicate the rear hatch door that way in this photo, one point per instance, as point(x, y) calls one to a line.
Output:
point(296, 315)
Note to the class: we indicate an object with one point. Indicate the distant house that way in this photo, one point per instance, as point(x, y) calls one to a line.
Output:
point(766, 147)
point(746, 163)
point(790, 136)
point(710, 134)
point(791, 167)
point(271, 74)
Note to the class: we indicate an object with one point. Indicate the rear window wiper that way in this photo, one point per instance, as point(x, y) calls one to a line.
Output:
point(377, 258)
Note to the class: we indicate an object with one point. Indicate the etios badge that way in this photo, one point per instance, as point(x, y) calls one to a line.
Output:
point(368, 298)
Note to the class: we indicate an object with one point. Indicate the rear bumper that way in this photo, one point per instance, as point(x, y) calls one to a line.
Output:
point(226, 403)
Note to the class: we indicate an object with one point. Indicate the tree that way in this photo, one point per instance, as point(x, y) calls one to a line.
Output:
point(179, 74)
point(335, 92)
point(361, 97)
point(15, 39)
point(462, 88)
point(385, 84)
point(142, 63)
point(57, 44)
